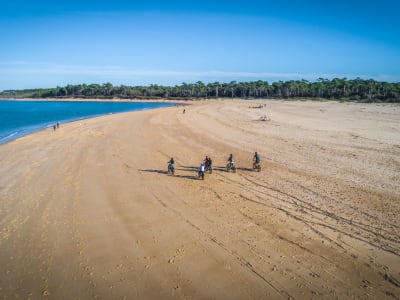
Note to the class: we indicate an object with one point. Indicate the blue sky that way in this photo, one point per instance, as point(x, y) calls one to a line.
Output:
point(45, 44)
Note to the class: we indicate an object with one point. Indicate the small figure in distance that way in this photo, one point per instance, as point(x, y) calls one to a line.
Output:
point(171, 167)
point(184, 110)
point(208, 164)
point(201, 171)
point(257, 161)
point(54, 127)
point(231, 164)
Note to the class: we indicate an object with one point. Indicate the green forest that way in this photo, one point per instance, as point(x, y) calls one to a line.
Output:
point(336, 89)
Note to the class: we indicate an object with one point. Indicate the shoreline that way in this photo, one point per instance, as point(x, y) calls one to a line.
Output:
point(91, 100)
point(90, 210)
point(183, 102)
point(30, 129)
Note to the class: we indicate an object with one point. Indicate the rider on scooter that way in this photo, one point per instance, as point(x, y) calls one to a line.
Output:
point(256, 158)
point(256, 162)
point(231, 159)
point(171, 163)
point(208, 162)
point(201, 169)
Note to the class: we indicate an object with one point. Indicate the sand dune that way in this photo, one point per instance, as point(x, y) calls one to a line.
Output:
point(88, 211)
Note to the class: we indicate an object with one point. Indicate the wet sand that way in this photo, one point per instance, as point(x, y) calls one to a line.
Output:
point(89, 212)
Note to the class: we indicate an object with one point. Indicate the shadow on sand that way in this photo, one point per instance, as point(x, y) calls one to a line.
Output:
point(245, 169)
point(223, 169)
point(192, 177)
point(155, 171)
point(194, 170)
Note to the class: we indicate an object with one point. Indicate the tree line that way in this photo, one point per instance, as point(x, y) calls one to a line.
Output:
point(336, 89)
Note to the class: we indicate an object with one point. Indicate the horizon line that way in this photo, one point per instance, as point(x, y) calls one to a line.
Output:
point(141, 76)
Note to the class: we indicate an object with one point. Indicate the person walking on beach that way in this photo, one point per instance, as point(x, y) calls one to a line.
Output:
point(54, 127)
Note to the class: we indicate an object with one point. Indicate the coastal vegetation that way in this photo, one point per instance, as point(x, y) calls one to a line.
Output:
point(336, 89)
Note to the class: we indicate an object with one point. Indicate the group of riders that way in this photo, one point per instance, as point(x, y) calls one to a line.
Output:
point(206, 165)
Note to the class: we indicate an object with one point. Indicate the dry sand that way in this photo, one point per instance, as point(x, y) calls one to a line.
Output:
point(88, 211)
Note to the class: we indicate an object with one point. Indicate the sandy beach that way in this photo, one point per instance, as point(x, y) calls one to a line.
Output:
point(89, 211)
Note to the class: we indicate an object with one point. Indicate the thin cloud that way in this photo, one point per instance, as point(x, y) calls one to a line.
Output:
point(113, 73)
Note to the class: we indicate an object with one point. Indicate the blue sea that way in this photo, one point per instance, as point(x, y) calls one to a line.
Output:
point(19, 118)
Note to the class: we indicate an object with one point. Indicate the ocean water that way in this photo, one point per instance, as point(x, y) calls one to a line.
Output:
point(19, 118)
